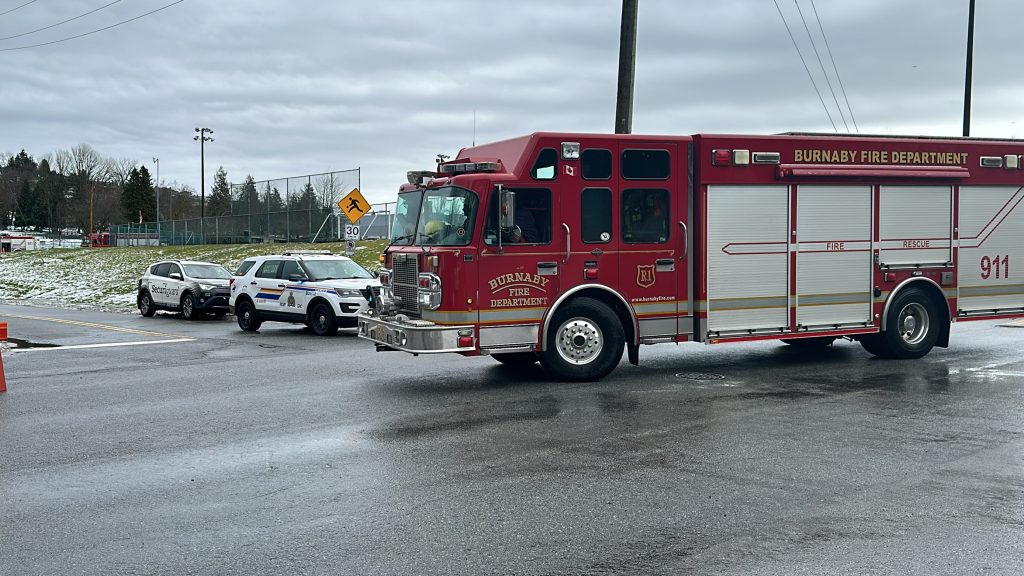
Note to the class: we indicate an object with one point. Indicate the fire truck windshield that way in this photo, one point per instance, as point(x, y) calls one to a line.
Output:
point(446, 217)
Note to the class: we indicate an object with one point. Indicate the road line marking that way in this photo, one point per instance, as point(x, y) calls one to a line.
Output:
point(94, 325)
point(107, 345)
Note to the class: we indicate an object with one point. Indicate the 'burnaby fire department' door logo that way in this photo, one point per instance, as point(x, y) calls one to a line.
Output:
point(645, 276)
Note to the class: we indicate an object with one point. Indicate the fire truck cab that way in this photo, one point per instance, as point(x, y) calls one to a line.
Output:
point(570, 248)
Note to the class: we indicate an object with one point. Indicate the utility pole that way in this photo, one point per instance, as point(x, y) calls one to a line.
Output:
point(202, 137)
point(157, 161)
point(970, 65)
point(627, 69)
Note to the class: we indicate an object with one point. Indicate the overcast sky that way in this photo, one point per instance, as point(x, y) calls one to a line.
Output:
point(305, 86)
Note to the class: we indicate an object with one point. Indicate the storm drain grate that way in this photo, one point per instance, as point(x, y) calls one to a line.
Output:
point(703, 376)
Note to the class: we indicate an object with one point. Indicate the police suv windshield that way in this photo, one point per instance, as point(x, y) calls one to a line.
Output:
point(334, 270)
point(206, 271)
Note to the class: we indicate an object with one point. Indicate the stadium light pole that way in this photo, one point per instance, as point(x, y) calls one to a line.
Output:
point(157, 162)
point(202, 138)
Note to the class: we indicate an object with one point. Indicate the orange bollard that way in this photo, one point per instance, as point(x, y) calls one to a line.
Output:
point(3, 338)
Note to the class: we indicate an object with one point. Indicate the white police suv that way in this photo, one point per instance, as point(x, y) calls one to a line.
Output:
point(312, 287)
point(194, 288)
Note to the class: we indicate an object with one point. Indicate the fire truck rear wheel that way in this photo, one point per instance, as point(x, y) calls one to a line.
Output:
point(585, 343)
point(912, 327)
point(516, 359)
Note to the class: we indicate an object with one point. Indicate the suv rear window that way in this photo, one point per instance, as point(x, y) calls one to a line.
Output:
point(244, 267)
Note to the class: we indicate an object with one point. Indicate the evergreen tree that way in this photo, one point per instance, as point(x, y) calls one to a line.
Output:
point(27, 214)
point(219, 203)
point(137, 197)
point(275, 203)
point(248, 198)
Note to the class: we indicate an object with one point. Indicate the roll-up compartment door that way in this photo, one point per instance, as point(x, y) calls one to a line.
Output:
point(915, 225)
point(991, 259)
point(747, 259)
point(834, 268)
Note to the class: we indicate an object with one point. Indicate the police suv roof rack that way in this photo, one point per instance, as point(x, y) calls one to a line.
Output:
point(302, 252)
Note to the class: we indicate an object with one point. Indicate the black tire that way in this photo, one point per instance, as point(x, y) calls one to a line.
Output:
point(516, 359)
point(585, 341)
point(813, 343)
point(146, 305)
point(875, 345)
point(911, 329)
point(188, 307)
point(248, 319)
point(321, 320)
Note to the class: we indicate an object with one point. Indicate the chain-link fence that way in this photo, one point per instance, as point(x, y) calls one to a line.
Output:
point(298, 209)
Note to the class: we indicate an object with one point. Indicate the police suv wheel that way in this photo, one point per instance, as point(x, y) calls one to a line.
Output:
point(188, 307)
point(584, 342)
point(248, 321)
point(321, 319)
point(912, 327)
point(146, 305)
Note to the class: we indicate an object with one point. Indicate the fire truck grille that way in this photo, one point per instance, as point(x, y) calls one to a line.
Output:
point(405, 279)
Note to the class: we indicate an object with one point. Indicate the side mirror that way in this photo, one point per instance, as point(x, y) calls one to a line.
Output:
point(296, 278)
point(506, 208)
point(174, 275)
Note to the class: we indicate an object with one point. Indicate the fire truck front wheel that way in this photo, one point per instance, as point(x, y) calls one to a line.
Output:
point(585, 341)
point(911, 328)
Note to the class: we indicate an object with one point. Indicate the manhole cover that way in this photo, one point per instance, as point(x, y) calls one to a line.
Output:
point(700, 376)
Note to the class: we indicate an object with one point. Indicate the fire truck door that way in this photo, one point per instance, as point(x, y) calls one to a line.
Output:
point(652, 205)
point(519, 277)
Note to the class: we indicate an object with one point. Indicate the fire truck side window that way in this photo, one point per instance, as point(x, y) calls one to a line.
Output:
point(596, 214)
point(532, 218)
point(545, 167)
point(596, 164)
point(645, 216)
point(645, 164)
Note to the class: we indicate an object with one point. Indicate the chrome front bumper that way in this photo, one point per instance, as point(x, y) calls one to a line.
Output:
point(414, 336)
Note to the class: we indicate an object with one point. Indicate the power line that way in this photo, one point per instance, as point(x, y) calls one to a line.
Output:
point(93, 31)
point(16, 7)
point(59, 23)
point(800, 54)
point(836, 68)
point(822, 65)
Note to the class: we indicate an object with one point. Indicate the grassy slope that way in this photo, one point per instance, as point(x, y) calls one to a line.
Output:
point(106, 277)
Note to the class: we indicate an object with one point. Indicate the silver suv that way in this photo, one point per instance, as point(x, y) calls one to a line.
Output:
point(312, 287)
point(193, 288)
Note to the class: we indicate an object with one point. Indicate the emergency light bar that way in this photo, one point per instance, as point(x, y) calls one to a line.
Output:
point(468, 167)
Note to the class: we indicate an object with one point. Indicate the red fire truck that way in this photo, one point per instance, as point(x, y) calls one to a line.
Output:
point(569, 248)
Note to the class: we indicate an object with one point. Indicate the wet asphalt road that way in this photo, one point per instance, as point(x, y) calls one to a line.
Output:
point(284, 453)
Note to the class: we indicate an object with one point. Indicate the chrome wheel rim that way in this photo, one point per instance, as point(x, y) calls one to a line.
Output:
point(247, 317)
point(579, 341)
point(186, 308)
point(145, 304)
point(913, 323)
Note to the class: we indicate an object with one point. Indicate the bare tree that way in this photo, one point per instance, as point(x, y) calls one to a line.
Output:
point(117, 170)
point(328, 189)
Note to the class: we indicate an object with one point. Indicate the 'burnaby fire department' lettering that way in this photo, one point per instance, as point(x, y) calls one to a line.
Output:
point(826, 156)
